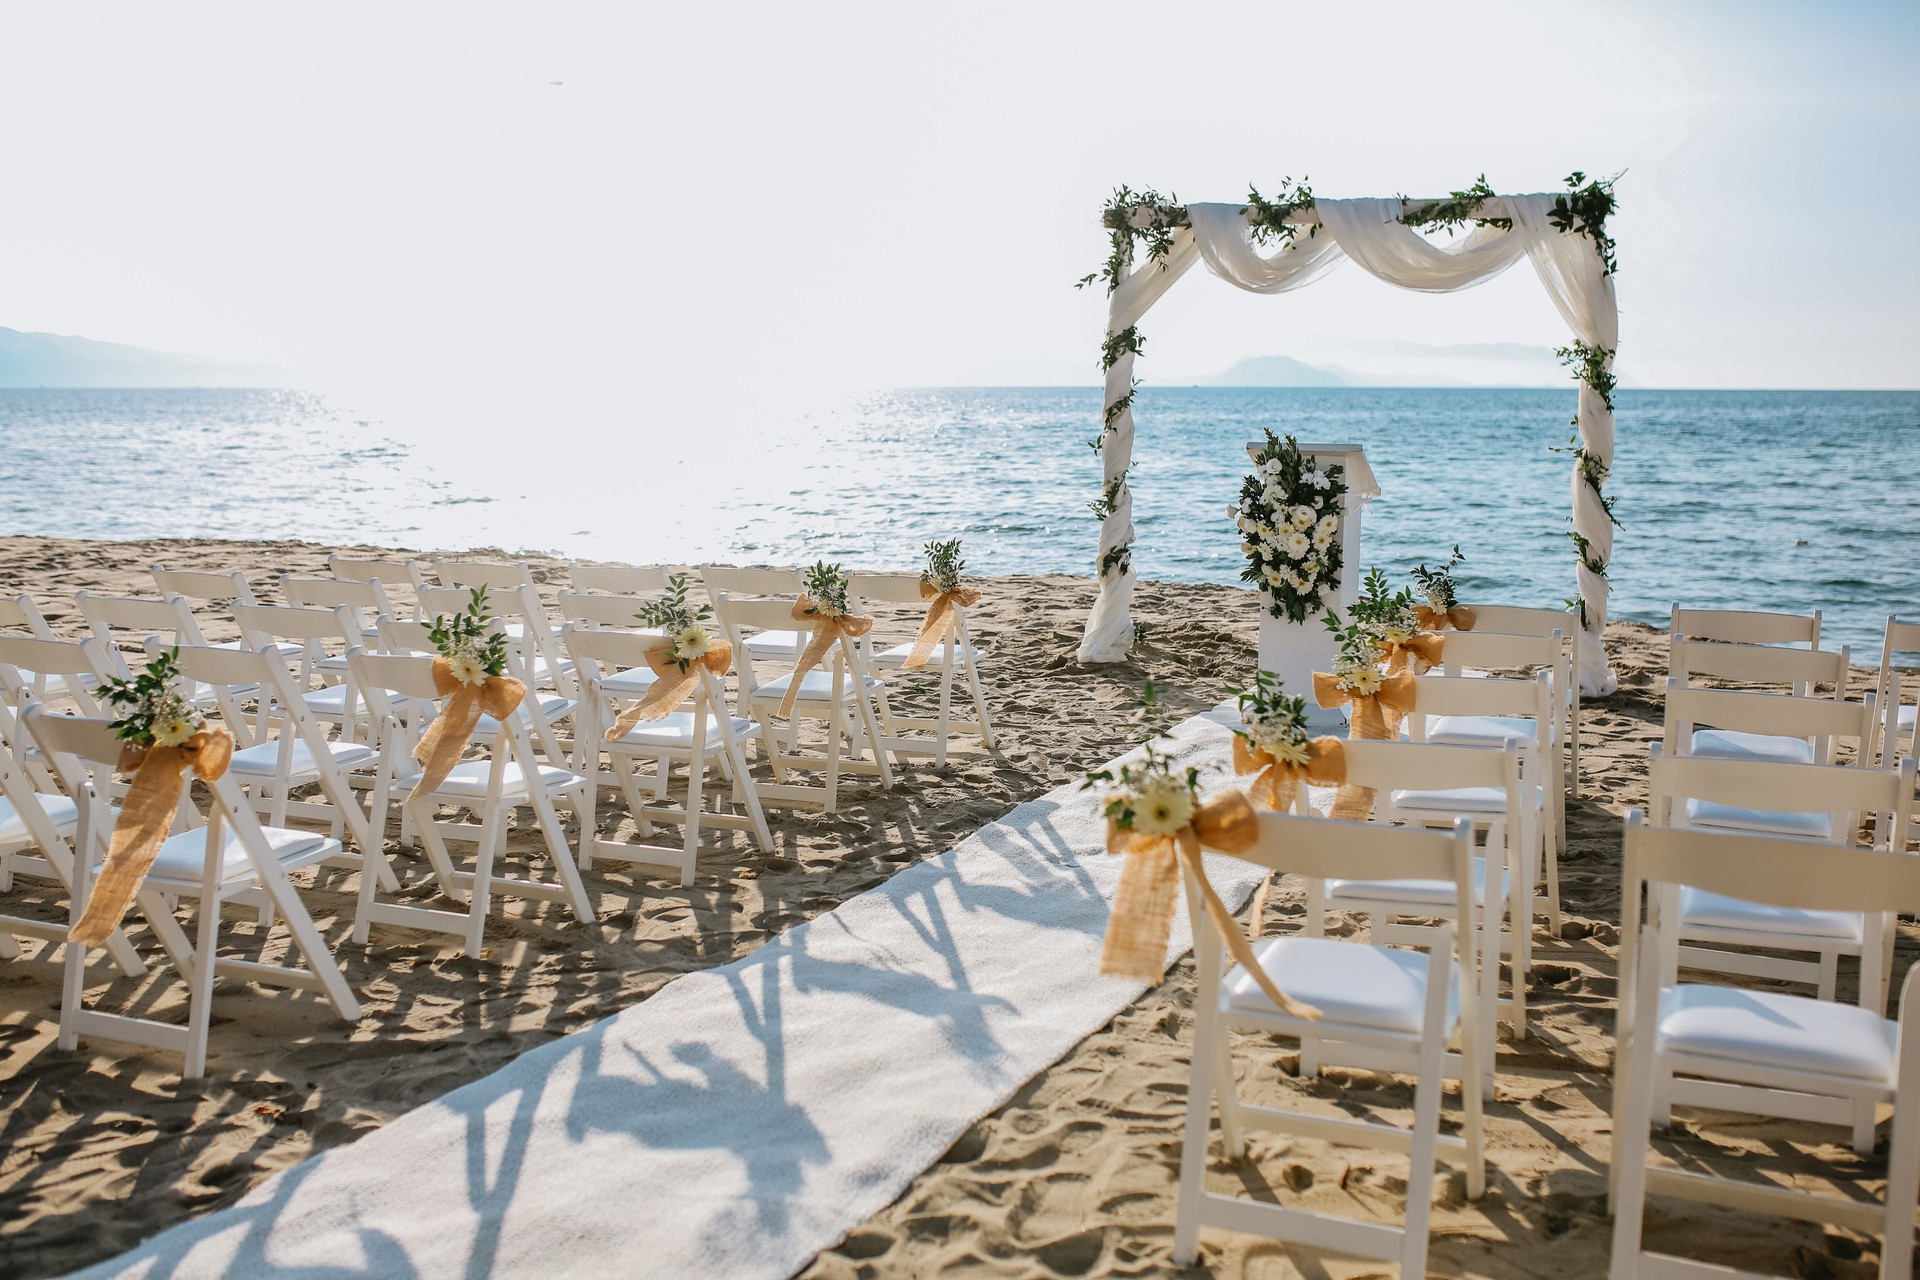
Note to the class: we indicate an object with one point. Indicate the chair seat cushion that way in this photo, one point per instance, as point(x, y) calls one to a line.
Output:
point(676, 732)
point(1484, 731)
point(261, 761)
point(938, 658)
point(468, 781)
point(1770, 1029)
point(1730, 744)
point(184, 856)
point(774, 644)
point(1698, 907)
point(631, 683)
point(816, 687)
point(1352, 984)
point(60, 810)
point(330, 703)
point(1458, 800)
point(1438, 893)
point(1807, 826)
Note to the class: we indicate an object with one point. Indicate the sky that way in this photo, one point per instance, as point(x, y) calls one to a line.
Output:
point(623, 205)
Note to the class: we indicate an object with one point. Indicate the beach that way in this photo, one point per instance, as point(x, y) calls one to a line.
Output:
point(1075, 1177)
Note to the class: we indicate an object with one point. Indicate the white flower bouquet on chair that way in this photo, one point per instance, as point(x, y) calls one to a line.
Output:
point(1289, 521)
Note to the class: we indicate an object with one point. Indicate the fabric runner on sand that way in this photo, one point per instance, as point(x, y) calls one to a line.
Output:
point(745, 1118)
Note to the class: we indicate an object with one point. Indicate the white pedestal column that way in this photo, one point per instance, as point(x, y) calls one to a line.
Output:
point(1295, 650)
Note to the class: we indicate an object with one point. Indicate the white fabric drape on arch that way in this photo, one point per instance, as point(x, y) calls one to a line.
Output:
point(1367, 232)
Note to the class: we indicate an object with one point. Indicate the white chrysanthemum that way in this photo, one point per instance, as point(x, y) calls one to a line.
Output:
point(1303, 518)
point(1285, 748)
point(1296, 546)
point(1318, 479)
point(1297, 582)
point(1311, 566)
point(1322, 539)
point(1396, 633)
point(1275, 578)
point(1329, 524)
point(467, 669)
point(1249, 548)
point(692, 643)
point(173, 731)
point(1364, 678)
point(1162, 805)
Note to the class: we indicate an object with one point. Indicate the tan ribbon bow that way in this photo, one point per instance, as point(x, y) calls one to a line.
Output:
point(451, 730)
point(827, 628)
point(1460, 618)
point(936, 622)
point(1376, 717)
point(1421, 651)
point(673, 686)
point(1275, 785)
point(146, 816)
point(1142, 919)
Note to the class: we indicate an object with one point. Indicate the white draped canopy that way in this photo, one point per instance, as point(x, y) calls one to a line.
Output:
point(1368, 232)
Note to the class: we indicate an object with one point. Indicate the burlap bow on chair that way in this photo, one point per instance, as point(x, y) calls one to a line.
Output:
point(1376, 717)
point(938, 612)
point(1420, 651)
point(146, 816)
point(1459, 617)
point(1143, 906)
point(1276, 783)
point(828, 628)
point(440, 746)
point(673, 686)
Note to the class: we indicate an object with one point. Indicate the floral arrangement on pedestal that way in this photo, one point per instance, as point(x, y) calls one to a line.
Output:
point(1289, 521)
point(688, 634)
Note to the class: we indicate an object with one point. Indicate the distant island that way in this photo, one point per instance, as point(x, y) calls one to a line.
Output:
point(56, 360)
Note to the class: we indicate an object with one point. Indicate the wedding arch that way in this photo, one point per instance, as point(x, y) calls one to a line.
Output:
point(1280, 244)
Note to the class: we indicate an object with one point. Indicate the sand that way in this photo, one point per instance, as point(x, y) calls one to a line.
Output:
point(104, 1147)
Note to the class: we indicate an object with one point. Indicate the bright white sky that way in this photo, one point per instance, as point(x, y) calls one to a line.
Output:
point(807, 199)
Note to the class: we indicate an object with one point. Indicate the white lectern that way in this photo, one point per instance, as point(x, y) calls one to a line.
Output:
point(1295, 650)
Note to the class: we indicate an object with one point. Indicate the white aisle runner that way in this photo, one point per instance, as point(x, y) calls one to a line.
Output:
point(742, 1119)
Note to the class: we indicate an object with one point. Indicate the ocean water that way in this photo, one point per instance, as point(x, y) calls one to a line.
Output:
point(1737, 499)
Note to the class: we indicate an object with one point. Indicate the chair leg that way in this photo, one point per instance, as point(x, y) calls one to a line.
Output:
point(200, 982)
point(563, 854)
point(313, 947)
point(1903, 1185)
point(1631, 1122)
point(1422, 1166)
point(836, 731)
point(492, 835)
point(1830, 975)
point(1193, 1145)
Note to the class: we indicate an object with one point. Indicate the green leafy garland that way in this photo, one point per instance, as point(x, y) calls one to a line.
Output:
point(1272, 220)
point(1585, 209)
point(1460, 208)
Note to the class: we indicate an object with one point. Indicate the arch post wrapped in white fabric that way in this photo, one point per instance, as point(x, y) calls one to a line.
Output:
point(1570, 262)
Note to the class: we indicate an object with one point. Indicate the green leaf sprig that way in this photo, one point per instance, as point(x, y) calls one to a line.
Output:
point(154, 711)
point(945, 564)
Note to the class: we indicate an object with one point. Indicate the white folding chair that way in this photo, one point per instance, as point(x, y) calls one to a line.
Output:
point(395, 578)
point(1479, 652)
point(600, 611)
point(365, 602)
point(1778, 728)
point(1519, 620)
point(1820, 804)
point(21, 615)
point(1758, 1052)
point(1745, 626)
point(1430, 776)
point(619, 579)
point(1395, 1008)
point(510, 776)
point(839, 692)
point(705, 733)
point(777, 643)
point(36, 821)
point(548, 706)
point(139, 625)
point(1897, 734)
point(271, 769)
point(223, 589)
point(954, 655)
point(1500, 713)
point(233, 854)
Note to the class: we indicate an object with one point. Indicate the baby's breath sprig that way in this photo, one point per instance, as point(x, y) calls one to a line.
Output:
point(944, 565)
point(826, 586)
point(1437, 584)
point(689, 638)
point(154, 711)
point(1271, 721)
point(475, 649)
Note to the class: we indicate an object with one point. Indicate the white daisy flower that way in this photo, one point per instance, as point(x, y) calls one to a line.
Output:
point(1296, 546)
point(173, 731)
point(1303, 517)
point(692, 643)
point(1163, 805)
point(468, 669)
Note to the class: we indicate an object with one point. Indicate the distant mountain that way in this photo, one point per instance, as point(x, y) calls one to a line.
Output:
point(54, 360)
point(1274, 371)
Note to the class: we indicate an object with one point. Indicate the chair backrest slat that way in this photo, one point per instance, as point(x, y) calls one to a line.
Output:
point(1801, 670)
point(619, 579)
point(1746, 626)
